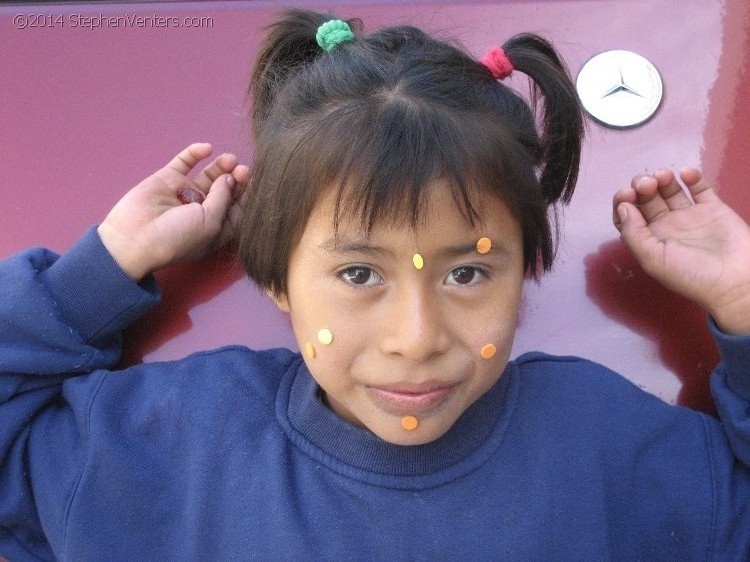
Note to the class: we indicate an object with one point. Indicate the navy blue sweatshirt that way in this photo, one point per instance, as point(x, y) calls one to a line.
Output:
point(230, 454)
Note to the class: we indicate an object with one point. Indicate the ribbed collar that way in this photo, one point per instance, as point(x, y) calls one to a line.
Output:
point(359, 454)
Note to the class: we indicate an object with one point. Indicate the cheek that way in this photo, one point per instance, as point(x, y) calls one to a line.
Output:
point(495, 314)
point(491, 349)
point(329, 337)
point(490, 353)
point(489, 332)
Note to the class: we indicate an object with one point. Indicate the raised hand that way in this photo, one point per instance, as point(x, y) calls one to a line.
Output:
point(152, 226)
point(693, 244)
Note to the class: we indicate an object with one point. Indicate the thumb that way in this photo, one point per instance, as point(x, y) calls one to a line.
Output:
point(637, 236)
point(218, 201)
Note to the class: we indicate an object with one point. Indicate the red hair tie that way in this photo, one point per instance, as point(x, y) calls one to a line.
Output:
point(497, 62)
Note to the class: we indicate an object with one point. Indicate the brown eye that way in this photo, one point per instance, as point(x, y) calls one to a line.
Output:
point(359, 275)
point(463, 275)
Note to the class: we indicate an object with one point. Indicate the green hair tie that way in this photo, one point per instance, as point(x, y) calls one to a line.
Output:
point(333, 33)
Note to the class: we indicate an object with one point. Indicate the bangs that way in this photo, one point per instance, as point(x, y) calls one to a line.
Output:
point(382, 159)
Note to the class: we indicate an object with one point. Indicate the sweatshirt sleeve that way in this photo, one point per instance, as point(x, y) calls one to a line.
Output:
point(60, 317)
point(728, 444)
point(730, 385)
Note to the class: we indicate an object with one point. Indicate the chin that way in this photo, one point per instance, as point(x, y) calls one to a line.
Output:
point(400, 436)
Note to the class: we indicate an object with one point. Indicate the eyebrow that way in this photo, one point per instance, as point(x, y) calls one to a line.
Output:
point(331, 246)
point(497, 248)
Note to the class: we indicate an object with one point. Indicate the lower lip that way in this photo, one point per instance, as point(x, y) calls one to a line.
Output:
point(408, 403)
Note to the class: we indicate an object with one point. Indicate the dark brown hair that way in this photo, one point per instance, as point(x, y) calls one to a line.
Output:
point(383, 116)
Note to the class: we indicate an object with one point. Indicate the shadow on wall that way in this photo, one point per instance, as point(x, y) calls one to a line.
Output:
point(184, 287)
point(627, 294)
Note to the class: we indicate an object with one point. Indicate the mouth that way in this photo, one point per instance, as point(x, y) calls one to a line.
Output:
point(417, 399)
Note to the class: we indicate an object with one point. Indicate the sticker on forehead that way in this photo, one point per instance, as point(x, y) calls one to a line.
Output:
point(418, 261)
point(325, 336)
point(484, 245)
point(310, 350)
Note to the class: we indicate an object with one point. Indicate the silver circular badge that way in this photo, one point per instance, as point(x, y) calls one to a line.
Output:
point(619, 88)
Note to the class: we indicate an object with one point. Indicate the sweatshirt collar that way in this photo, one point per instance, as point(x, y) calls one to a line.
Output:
point(321, 433)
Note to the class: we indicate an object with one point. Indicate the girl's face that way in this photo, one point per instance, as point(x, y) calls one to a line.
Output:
point(406, 341)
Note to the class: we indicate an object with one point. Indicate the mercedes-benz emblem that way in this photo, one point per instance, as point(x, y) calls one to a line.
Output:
point(619, 88)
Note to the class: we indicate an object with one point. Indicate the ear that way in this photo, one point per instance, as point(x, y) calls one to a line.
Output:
point(281, 300)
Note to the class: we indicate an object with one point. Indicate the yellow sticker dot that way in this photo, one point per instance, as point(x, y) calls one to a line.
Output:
point(483, 245)
point(310, 350)
point(488, 350)
point(325, 336)
point(409, 423)
point(418, 261)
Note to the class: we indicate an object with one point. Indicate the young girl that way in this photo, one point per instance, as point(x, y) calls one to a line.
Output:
point(399, 196)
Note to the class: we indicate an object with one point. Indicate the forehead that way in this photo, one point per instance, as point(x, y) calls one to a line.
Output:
point(441, 220)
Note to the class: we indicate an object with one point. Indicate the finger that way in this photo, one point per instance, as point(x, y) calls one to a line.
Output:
point(217, 202)
point(222, 164)
point(232, 222)
point(625, 195)
point(241, 195)
point(649, 200)
point(188, 158)
point(699, 188)
point(637, 236)
point(241, 174)
point(671, 190)
point(231, 225)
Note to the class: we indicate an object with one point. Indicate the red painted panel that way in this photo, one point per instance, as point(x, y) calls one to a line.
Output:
point(88, 112)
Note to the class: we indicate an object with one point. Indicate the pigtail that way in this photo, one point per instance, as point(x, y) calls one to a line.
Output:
point(561, 115)
point(289, 45)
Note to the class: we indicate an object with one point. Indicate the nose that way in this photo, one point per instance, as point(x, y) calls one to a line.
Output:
point(414, 327)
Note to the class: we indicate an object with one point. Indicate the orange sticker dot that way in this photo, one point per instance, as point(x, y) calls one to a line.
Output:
point(310, 350)
point(409, 423)
point(488, 350)
point(483, 245)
